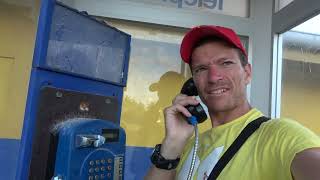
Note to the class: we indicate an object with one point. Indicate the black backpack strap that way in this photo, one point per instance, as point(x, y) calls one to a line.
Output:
point(236, 145)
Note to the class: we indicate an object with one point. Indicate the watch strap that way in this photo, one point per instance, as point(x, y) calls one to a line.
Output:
point(162, 163)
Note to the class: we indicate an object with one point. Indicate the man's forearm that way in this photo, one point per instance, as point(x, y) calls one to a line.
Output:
point(306, 165)
point(160, 174)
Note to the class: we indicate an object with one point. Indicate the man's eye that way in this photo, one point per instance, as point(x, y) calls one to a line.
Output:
point(199, 69)
point(225, 63)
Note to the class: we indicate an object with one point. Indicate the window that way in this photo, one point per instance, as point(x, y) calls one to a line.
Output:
point(300, 94)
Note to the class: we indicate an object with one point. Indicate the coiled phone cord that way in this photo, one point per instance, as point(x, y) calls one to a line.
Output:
point(194, 122)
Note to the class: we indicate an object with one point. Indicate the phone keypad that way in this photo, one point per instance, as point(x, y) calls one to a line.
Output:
point(100, 169)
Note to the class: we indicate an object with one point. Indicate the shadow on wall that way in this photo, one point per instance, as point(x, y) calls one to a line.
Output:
point(146, 125)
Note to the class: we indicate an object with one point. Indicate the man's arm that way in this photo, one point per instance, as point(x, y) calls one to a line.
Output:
point(178, 132)
point(168, 150)
point(160, 174)
point(306, 165)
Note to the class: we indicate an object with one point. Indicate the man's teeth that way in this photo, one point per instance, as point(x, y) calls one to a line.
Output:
point(219, 91)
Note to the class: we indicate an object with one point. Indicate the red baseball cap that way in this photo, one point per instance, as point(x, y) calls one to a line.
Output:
point(199, 32)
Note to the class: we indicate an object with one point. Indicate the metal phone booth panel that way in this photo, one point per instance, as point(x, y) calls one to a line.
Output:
point(80, 68)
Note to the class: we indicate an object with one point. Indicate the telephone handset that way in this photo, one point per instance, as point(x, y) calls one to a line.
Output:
point(197, 111)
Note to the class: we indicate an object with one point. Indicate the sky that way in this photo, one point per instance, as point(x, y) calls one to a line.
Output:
point(311, 26)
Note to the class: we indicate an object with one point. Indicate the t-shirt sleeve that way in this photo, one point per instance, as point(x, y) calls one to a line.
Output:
point(292, 139)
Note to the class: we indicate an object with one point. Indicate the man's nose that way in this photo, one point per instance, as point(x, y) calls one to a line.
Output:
point(214, 74)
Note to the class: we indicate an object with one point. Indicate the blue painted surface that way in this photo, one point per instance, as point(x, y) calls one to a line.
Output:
point(137, 162)
point(43, 31)
point(9, 149)
point(75, 76)
point(73, 162)
point(39, 53)
point(40, 78)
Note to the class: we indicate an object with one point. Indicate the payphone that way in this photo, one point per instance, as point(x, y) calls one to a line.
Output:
point(89, 149)
point(71, 126)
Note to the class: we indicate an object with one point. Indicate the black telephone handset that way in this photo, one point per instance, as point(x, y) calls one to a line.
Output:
point(197, 111)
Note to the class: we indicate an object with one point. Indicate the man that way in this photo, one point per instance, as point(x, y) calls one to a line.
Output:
point(279, 149)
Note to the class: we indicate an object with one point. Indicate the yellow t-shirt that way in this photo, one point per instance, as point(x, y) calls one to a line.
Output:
point(266, 155)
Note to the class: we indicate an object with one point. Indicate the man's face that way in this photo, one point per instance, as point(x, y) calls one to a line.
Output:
point(219, 76)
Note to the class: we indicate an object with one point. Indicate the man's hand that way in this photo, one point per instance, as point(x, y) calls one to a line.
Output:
point(178, 131)
point(306, 165)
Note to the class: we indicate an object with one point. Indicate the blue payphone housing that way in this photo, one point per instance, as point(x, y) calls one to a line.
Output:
point(79, 71)
point(89, 149)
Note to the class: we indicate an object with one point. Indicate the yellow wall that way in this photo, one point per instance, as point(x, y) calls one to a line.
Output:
point(300, 100)
point(18, 22)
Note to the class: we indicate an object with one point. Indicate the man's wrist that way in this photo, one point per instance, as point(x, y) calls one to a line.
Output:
point(161, 162)
point(171, 149)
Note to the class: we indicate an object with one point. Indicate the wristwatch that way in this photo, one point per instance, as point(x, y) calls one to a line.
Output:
point(160, 162)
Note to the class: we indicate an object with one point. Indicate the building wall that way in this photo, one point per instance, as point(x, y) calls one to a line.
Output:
point(18, 22)
point(17, 32)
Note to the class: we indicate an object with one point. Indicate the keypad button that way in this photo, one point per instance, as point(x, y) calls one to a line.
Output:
point(90, 178)
point(103, 168)
point(102, 176)
point(91, 163)
point(97, 162)
point(91, 170)
point(109, 175)
point(103, 161)
point(109, 168)
point(97, 169)
point(96, 177)
point(109, 160)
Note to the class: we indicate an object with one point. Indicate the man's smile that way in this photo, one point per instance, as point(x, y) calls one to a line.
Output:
point(217, 91)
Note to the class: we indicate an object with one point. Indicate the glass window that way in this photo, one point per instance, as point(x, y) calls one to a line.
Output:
point(156, 74)
point(301, 75)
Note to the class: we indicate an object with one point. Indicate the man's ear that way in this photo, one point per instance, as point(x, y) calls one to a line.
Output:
point(248, 73)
